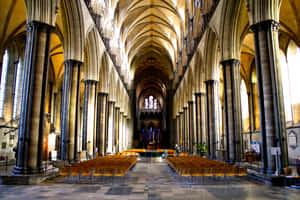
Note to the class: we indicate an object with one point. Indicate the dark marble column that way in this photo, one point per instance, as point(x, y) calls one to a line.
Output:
point(186, 130)
point(251, 111)
point(181, 131)
point(88, 132)
point(212, 129)
point(31, 127)
point(121, 132)
point(69, 109)
point(111, 126)
point(101, 122)
point(200, 118)
point(191, 125)
point(272, 116)
point(232, 107)
point(178, 129)
point(117, 129)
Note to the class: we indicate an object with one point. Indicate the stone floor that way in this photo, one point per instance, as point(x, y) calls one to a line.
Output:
point(149, 180)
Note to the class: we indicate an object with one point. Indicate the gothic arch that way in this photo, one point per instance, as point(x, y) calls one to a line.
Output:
point(93, 52)
point(210, 56)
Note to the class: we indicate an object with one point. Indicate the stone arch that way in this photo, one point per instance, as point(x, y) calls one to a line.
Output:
point(231, 18)
point(210, 56)
point(112, 85)
point(185, 91)
point(190, 84)
point(74, 32)
point(42, 11)
point(93, 52)
point(264, 10)
point(104, 73)
point(118, 93)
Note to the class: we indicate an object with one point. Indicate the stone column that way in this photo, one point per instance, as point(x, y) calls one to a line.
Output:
point(200, 117)
point(121, 135)
point(232, 106)
point(125, 134)
point(178, 129)
point(181, 131)
point(101, 122)
point(212, 129)
point(117, 131)
point(31, 128)
point(191, 125)
point(69, 110)
point(111, 126)
point(89, 117)
point(251, 111)
point(272, 116)
point(186, 130)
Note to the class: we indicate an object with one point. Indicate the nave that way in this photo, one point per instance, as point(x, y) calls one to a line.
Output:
point(149, 179)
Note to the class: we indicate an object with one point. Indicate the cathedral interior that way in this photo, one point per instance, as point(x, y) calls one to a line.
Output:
point(85, 80)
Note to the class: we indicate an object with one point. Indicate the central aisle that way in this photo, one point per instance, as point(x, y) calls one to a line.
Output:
point(148, 180)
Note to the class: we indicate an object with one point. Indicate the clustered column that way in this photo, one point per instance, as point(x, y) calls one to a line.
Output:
point(232, 104)
point(121, 134)
point(101, 122)
point(89, 117)
point(186, 130)
point(191, 124)
point(178, 128)
point(111, 126)
point(212, 102)
point(69, 109)
point(272, 115)
point(117, 126)
point(182, 130)
point(31, 129)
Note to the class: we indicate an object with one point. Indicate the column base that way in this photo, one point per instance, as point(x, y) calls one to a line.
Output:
point(28, 179)
point(273, 180)
point(27, 171)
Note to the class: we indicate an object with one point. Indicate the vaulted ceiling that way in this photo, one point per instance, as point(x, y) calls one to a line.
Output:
point(149, 37)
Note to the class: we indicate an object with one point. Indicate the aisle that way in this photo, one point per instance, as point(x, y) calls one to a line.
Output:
point(148, 180)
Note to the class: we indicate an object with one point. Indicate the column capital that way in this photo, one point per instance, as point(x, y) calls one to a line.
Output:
point(72, 62)
point(111, 102)
point(230, 62)
point(185, 108)
point(198, 94)
point(190, 102)
point(39, 26)
point(102, 94)
point(210, 82)
point(265, 25)
point(117, 108)
point(90, 82)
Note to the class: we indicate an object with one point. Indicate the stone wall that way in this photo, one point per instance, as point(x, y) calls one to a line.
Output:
point(293, 140)
point(8, 140)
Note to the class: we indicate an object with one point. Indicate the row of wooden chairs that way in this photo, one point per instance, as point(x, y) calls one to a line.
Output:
point(198, 166)
point(102, 166)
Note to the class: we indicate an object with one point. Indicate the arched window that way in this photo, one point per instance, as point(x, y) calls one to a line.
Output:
point(290, 71)
point(3, 81)
point(244, 106)
point(255, 103)
point(155, 104)
point(146, 103)
point(151, 102)
point(286, 87)
point(18, 88)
